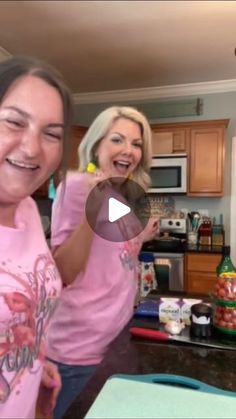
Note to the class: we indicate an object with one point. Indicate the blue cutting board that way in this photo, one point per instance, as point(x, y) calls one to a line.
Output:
point(161, 396)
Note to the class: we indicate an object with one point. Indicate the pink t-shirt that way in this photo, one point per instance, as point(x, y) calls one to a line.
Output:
point(29, 289)
point(97, 305)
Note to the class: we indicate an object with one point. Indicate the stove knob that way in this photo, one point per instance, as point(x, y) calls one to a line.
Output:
point(170, 223)
point(178, 223)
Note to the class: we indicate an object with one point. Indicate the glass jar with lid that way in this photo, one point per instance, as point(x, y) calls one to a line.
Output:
point(224, 318)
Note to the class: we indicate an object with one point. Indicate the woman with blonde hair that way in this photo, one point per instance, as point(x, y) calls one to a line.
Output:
point(99, 128)
point(100, 271)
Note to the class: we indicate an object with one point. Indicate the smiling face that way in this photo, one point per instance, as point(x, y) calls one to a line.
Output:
point(31, 117)
point(120, 151)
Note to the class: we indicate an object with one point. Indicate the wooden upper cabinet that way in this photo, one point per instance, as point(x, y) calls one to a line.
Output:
point(77, 135)
point(179, 141)
point(168, 138)
point(206, 160)
point(162, 142)
point(204, 144)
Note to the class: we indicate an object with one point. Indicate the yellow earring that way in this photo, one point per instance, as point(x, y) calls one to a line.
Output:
point(91, 167)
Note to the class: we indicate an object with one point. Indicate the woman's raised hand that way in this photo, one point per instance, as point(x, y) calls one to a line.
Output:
point(98, 178)
point(151, 230)
point(98, 181)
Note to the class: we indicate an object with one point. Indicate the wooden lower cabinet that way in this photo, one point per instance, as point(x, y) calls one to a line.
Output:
point(200, 272)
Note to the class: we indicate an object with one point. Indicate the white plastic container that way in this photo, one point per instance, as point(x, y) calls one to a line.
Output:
point(186, 309)
point(169, 309)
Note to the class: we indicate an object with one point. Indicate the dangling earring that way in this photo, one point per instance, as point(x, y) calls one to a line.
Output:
point(130, 177)
point(51, 188)
point(91, 166)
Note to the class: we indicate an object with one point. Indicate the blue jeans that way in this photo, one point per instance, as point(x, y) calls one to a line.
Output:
point(74, 378)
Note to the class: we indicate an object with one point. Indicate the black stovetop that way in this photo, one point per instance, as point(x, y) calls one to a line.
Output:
point(175, 244)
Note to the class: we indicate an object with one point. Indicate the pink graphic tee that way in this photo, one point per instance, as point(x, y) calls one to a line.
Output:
point(97, 305)
point(29, 289)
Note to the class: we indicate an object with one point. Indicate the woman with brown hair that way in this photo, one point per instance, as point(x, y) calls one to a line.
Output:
point(35, 119)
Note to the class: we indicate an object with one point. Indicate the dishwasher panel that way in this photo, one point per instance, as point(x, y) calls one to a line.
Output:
point(169, 270)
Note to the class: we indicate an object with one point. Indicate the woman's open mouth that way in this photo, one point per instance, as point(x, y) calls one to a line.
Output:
point(122, 167)
point(22, 165)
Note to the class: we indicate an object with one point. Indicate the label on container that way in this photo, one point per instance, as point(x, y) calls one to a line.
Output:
point(169, 309)
point(186, 309)
point(147, 278)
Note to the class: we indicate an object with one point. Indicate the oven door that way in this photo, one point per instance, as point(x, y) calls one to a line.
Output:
point(169, 269)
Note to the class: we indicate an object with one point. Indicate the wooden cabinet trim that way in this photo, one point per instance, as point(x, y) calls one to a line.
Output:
point(191, 124)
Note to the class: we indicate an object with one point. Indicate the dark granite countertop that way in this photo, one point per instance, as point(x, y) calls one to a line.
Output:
point(137, 356)
point(154, 246)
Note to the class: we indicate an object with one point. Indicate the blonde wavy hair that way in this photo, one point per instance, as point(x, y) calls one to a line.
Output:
point(100, 127)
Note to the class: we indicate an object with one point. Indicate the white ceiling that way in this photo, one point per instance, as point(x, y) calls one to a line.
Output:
point(103, 46)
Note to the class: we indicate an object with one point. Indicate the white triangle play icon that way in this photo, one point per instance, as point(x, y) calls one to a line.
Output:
point(116, 209)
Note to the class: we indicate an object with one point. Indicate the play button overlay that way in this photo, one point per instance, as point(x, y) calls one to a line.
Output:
point(117, 210)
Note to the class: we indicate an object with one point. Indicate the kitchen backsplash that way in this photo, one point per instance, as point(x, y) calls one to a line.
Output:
point(166, 206)
point(162, 206)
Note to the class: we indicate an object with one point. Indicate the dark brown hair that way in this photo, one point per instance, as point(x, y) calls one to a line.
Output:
point(18, 66)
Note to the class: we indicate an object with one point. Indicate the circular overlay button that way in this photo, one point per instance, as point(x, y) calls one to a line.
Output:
point(116, 210)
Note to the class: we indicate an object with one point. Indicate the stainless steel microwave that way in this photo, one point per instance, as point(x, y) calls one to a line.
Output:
point(168, 173)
